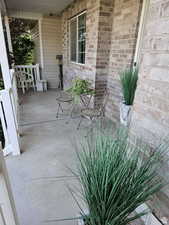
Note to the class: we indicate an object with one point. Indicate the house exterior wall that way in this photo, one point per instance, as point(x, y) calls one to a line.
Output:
point(98, 30)
point(103, 48)
point(111, 28)
point(52, 46)
point(71, 69)
point(150, 117)
point(126, 16)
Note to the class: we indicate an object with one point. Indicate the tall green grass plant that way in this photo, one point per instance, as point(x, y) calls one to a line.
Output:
point(116, 177)
point(129, 79)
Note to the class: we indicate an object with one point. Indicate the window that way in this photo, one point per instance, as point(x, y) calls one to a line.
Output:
point(78, 38)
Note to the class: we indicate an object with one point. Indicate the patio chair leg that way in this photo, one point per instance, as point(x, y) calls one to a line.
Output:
point(23, 89)
point(90, 130)
point(57, 114)
point(70, 115)
point(79, 123)
point(61, 107)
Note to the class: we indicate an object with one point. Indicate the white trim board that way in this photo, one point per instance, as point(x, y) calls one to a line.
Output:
point(142, 23)
point(2, 6)
point(25, 15)
point(41, 42)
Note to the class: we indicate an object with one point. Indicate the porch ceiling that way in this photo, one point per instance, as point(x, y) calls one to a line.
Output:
point(37, 6)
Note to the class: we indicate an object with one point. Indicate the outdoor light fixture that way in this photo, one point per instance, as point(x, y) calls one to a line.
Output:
point(59, 59)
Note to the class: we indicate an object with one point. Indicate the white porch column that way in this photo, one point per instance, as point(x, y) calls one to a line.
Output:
point(41, 43)
point(8, 215)
point(4, 58)
point(8, 33)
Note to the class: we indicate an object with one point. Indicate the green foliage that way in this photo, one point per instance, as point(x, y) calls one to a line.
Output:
point(20, 26)
point(81, 87)
point(116, 177)
point(21, 40)
point(23, 49)
point(128, 80)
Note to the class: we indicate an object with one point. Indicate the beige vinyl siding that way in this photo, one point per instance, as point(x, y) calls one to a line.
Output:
point(52, 46)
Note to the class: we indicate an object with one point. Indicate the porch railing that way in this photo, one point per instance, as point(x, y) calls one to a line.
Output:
point(34, 72)
point(9, 117)
point(14, 95)
point(29, 69)
point(9, 122)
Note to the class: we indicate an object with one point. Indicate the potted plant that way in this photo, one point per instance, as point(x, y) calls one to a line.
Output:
point(128, 79)
point(80, 87)
point(116, 177)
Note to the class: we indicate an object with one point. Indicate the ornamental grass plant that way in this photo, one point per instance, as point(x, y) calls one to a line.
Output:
point(129, 79)
point(116, 177)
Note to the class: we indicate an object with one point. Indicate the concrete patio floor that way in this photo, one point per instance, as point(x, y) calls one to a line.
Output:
point(40, 175)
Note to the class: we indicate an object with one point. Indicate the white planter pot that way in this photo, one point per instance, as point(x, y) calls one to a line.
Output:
point(125, 114)
point(80, 221)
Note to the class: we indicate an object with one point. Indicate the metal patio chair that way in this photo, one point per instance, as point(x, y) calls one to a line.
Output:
point(94, 113)
point(62, 98)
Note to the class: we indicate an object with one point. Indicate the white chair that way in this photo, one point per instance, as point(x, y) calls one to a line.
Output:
point(25, 81)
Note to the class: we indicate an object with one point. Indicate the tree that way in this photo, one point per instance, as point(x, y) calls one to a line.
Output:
point(22, 41)
point(22, 49)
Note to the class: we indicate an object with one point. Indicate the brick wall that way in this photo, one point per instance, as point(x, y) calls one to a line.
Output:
point(126, 15)
point(98, 31)
point(150, 118)
point(111, 28)
point(72, 69)
point(151, 107)
point(103, 48)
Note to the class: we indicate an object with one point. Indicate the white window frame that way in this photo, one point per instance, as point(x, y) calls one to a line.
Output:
point(77, 46)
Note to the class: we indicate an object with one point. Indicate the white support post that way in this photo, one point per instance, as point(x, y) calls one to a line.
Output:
point(40, 41)
point(8, 33)
point(12, 129)
point(14, 95)
point(38, 72)
point(4, 58)
point(8, 214)
point(143, 18)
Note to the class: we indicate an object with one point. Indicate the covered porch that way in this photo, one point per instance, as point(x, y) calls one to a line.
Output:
point(40, 176)
point(116, 36)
